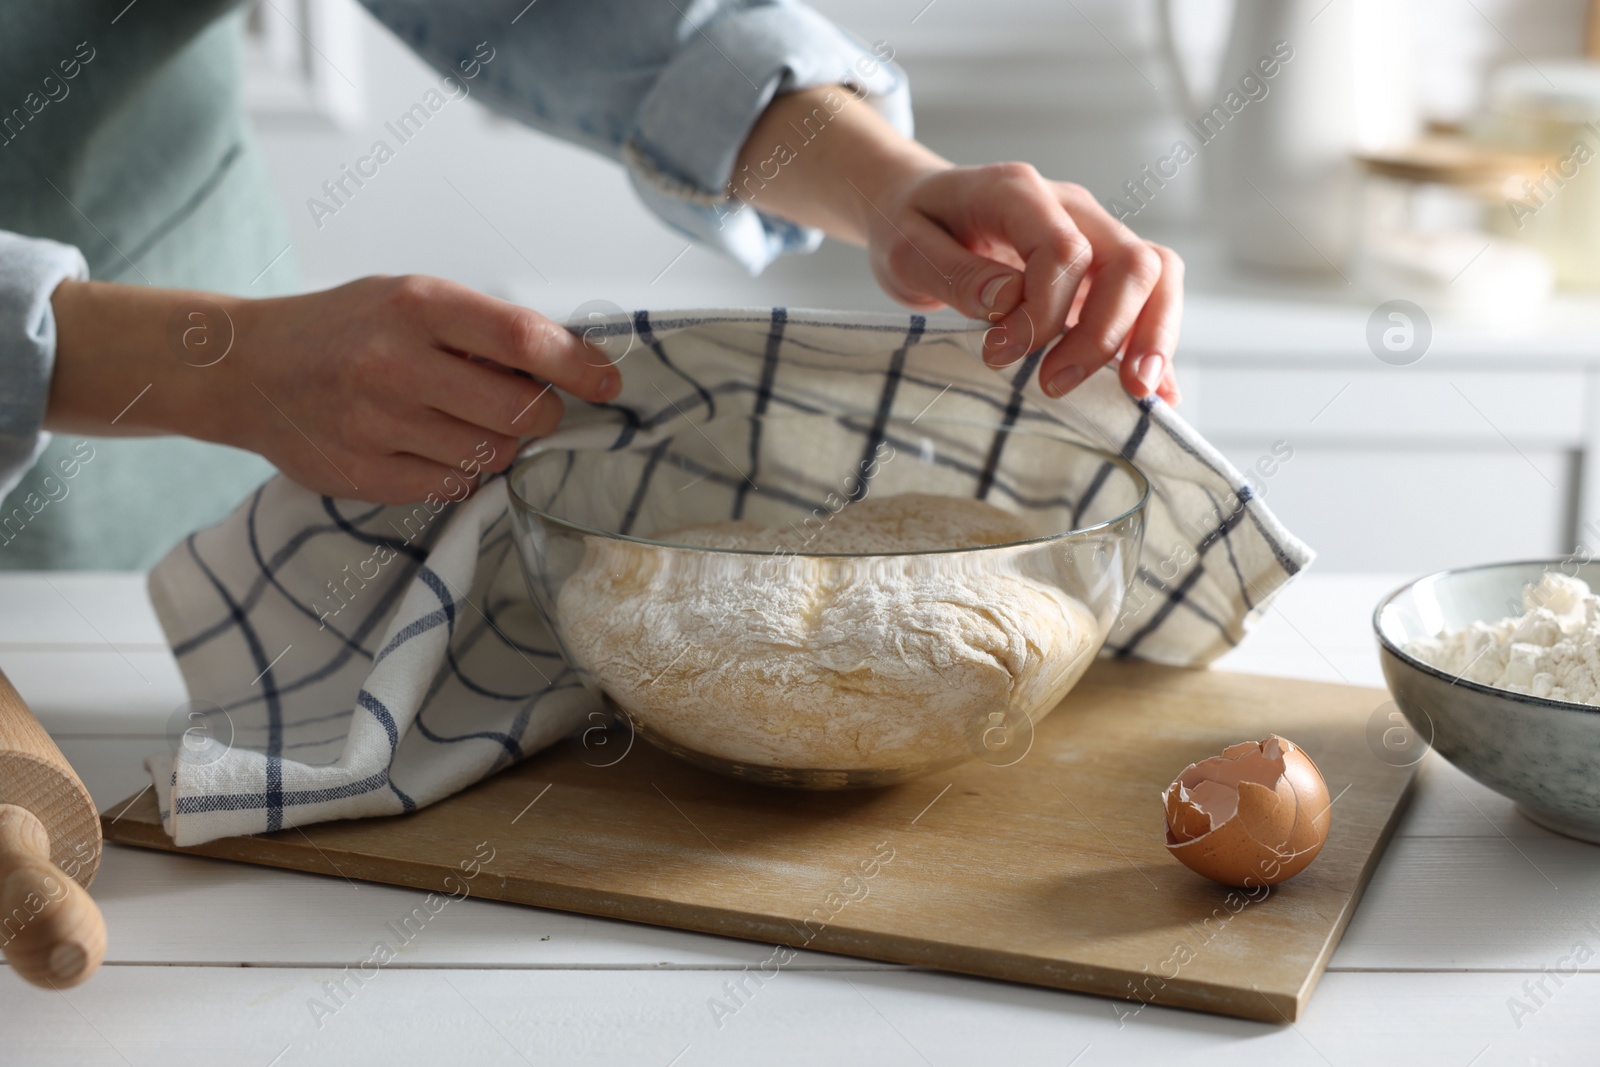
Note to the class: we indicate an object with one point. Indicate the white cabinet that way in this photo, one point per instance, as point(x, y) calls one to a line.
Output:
point(1405, 469)
point(1417, 509)
point(1430, 403)
point(1487, 448)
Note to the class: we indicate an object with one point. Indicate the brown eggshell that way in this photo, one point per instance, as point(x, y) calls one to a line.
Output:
point(1255, 815)
point(1268, 815)
point(1313, 813)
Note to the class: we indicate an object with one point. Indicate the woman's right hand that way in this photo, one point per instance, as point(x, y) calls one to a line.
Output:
point(377, 376)
point(378, 390)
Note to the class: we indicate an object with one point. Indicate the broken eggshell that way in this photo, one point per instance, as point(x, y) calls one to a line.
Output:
point(1253, 816)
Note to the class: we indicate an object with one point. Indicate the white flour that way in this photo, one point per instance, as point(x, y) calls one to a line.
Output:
point(1551, 650)
point(838, 664)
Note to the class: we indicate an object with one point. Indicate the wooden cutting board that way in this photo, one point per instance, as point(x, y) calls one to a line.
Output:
point(1052, 871)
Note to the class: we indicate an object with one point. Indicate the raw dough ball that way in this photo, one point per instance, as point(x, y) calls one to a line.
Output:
point(837, 664)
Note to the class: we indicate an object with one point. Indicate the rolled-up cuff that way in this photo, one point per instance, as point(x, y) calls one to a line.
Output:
point(696, 117)
point(30, 270)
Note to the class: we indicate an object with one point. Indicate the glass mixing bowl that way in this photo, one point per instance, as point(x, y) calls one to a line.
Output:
point(775, 649)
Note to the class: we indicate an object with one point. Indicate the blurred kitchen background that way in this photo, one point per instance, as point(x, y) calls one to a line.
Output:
point(1398, 338)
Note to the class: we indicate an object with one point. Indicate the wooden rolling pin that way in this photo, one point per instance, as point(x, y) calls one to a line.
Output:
point(52, 933)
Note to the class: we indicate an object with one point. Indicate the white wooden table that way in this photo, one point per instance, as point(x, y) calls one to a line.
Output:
point(213, 963)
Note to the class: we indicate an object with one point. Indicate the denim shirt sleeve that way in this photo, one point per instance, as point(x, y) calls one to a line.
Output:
point(30, 270)
point(669, 88)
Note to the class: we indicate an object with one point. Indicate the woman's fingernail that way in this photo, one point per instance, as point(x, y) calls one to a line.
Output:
point(1150, 370)
point(1065, 381)
point(999, 360)
point(610, 385)
point(991, 290)
point(994, 347)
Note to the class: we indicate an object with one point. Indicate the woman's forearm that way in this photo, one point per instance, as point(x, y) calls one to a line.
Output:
point(137, 360)
point(824, 158)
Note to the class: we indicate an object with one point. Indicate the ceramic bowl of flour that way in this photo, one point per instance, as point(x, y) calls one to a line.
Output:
point(829, 601)
point(1492, 664)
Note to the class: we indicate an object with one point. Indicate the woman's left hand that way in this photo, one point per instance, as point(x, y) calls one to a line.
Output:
point(1039, 259)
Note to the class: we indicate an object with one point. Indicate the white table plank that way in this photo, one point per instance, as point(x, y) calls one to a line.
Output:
point(173, 1017)
point(1455, 903)
point(85, 690)
point(1446, 803)
point(76, 608)
point(111, 766)
point(86, 652)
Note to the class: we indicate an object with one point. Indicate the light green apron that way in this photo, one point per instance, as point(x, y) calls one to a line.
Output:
point(146, 164)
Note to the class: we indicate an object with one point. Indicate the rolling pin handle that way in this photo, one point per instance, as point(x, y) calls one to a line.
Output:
point(52, 932)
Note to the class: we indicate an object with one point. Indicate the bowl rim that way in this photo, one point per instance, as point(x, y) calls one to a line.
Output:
point(1478, 687)
point(541, 449)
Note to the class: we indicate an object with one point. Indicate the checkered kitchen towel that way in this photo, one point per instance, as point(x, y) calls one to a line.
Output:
point(347, 659)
